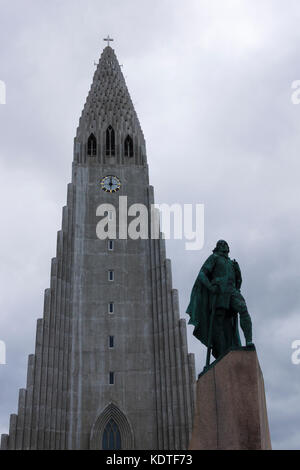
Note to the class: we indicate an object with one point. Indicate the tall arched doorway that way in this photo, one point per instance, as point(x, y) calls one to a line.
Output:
point(112, 431)
point(111, 439)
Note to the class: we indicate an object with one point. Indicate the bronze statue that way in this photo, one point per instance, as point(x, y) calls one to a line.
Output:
point(216, 301)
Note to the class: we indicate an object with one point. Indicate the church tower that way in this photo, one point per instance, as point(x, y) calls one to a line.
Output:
point(111, 369)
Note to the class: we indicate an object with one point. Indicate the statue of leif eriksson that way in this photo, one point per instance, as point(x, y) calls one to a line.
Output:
point(215, 303)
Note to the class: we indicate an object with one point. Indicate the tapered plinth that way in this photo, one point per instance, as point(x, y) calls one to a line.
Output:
point(231, 408)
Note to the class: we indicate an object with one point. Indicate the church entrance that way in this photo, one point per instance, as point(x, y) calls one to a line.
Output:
point(111, 437)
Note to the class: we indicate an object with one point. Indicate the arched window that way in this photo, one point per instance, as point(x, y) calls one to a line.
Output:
point(110, 142)
point(111, 437)
point(112, 430)
point(128, 146)
point(92, 146)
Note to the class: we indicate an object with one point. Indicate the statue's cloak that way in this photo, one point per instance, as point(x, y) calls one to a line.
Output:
point(200, 310)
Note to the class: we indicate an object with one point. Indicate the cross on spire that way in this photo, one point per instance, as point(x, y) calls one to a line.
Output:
point(108, 40)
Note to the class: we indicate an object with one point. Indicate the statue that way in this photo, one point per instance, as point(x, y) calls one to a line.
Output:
point(215, 303)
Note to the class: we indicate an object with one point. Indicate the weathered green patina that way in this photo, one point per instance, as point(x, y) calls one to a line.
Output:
point(216, 295)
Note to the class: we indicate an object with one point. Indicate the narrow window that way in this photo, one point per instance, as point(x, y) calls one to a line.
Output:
point(111, 276)
point(110, 142)
point(111, 378)
point(111, 245)
point(111, 437)
point(111, 342)
point(111, 307)
point(92, 146)
point(128, 146)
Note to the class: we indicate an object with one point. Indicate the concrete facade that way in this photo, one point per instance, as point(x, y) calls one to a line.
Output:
point(68, 400)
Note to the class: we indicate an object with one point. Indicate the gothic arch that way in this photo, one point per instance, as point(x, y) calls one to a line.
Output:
point(110, 142)
point(112, 412)
point(111, 439)
point(92, 146)
point(128, 144)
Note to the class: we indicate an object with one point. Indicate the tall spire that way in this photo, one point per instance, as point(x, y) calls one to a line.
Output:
point(109, 104)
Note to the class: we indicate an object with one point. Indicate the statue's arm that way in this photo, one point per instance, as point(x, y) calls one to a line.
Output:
point(238, 274)
point(206, 272)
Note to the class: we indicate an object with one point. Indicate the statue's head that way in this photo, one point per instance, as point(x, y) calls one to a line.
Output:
point(222, 247)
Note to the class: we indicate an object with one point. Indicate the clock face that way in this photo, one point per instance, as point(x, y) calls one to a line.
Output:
point(110, 184)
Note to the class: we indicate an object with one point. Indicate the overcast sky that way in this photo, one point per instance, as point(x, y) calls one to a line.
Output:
point(211, 83)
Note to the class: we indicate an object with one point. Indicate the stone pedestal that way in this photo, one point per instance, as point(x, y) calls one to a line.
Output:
point(231, 408)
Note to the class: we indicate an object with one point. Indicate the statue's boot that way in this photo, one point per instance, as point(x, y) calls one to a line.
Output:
point(246, 326)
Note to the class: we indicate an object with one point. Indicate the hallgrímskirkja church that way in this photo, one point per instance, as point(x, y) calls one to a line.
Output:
point(111, 368)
